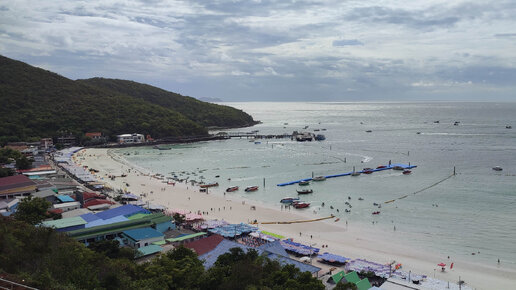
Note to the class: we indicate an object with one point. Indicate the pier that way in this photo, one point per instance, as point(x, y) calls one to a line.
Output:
point(254, 135)
point(387, 167)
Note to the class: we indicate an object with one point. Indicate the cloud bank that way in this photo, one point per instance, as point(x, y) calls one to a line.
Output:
point(267, 50)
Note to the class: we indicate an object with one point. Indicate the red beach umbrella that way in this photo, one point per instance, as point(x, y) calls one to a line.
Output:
point(441, 265)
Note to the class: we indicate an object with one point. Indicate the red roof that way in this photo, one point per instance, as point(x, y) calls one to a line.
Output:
point(56, 211)
point(15, 181)
point(204, 245)
point(88, 195)
point(93, 134)
point(97, 202)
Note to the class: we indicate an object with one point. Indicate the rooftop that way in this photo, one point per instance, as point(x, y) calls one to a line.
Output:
point(65, 198)
point(126, 210)
point(149, 250)
point(205, 245)
point(143, 233)
point(182, 238)
point(64, 223)
point(15, 181)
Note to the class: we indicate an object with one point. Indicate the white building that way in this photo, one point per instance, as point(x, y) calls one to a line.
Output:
point(130, 138)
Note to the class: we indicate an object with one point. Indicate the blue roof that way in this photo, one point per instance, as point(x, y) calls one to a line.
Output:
point(333, 258)
point(89, 217)
point(124, 210)
point(101, 222)
point(274, 247)
point(211, 257)
point(65, 198)
point(143, 233)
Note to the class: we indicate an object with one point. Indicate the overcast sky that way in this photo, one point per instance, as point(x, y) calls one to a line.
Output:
point(276, 50)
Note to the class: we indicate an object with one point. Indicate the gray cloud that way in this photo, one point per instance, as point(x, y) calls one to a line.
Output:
point(274, 50)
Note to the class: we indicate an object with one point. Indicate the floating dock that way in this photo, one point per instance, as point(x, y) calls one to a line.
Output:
point(387, 167)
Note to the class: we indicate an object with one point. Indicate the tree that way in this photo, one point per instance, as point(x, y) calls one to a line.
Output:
point(179, 218)
point(32, 210)
point(112, 249)
point(23, 163)
point(345, 286)
point(4, 172)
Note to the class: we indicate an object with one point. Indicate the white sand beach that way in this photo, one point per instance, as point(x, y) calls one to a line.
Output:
point(347, 240)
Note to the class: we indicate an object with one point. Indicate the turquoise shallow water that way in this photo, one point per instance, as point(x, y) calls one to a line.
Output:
point(475, 209)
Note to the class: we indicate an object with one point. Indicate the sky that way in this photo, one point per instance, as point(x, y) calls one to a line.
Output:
point(267, 50)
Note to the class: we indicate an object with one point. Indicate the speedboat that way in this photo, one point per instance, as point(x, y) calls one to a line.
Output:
point(398, 168)
point(406, 172)
point(497, 168)
point(232, 188)
point(211, 184)
point(304, 183)
point(508, 127)
point(381, 166)
point(369, 131)
point(289, 199)
point(300, 204)
point(367, 170)
point(251, 188)
point(319, 178)
point(304, 191)
point(376, 212)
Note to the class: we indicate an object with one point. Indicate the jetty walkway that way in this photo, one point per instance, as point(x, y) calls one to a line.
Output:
point(387, 167)
point(255, 135)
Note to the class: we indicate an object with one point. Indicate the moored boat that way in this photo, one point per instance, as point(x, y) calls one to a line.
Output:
point(407, 172)
point(376, 212)
point(211, 184)
point(367, 170)
point(497, 168)
point(232, 188)
point(304, 191)
point(251, 188)
point(355, 173)
point(289, 199)
point(319, 178)
point(300, 204)
point(304, 183)
point(398, 168)
point(381, 166)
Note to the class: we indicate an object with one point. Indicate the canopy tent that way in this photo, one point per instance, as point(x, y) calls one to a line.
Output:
point(273, 235)
point(332, 258)
point(262, 236)
point(210, 224)
point(233, 230)
point(129, 196)
point(337, 277)
point(299, 248)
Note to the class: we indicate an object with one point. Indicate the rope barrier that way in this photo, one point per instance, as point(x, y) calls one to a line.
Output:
point(421, 190)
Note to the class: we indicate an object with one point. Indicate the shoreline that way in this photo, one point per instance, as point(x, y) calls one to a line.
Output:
point(351, 241)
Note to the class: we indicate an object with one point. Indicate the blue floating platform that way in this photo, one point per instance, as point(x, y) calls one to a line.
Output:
point(387, 167)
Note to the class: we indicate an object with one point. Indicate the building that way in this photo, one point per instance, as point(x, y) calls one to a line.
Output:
point(67, 206)
point(130, 138)
point(46, 143)
point(138, 238)
point(17, 185)
point(67, 141)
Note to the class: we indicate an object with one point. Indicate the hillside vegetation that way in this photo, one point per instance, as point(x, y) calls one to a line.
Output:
point(39, 103)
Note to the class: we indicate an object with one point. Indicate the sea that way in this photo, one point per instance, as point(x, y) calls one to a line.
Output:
point(471, 215)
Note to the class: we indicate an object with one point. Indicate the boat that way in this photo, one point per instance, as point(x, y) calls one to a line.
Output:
point(211, 184)
point(508, 127)
point(436, 122)
point(232, 188)
point(369, 131)
point(407, 172)
point(257, 142)
point(320, 137)
point(497, 168)
point(304, 191)
point(304, 183)
point(418, 133)
point(300, 204)
point(355, 173)
point(398, 168)
point(317, 130)
point(376, 212)
point(319, 178)
point(381, 166)
point(360, 198)
point(367, 170)
point(251, 188)
point(289, 199)
point(171, 183)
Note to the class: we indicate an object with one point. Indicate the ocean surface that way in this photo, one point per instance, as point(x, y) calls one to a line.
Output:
point(473, 211)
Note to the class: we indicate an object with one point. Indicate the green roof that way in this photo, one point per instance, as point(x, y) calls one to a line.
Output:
point(149, 250)
point(352, 277)
point(64, 223)
point(273, 235)
point(114, 228)
point(138, 216)
point(337, 277)
point(159, 243)
point(179, 239)
point(363, 284)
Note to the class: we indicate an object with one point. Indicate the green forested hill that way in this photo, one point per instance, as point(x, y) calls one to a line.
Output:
point(206, 114)
point(38, 103)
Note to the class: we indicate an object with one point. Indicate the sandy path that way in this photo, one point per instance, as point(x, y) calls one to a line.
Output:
point(347, 240)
